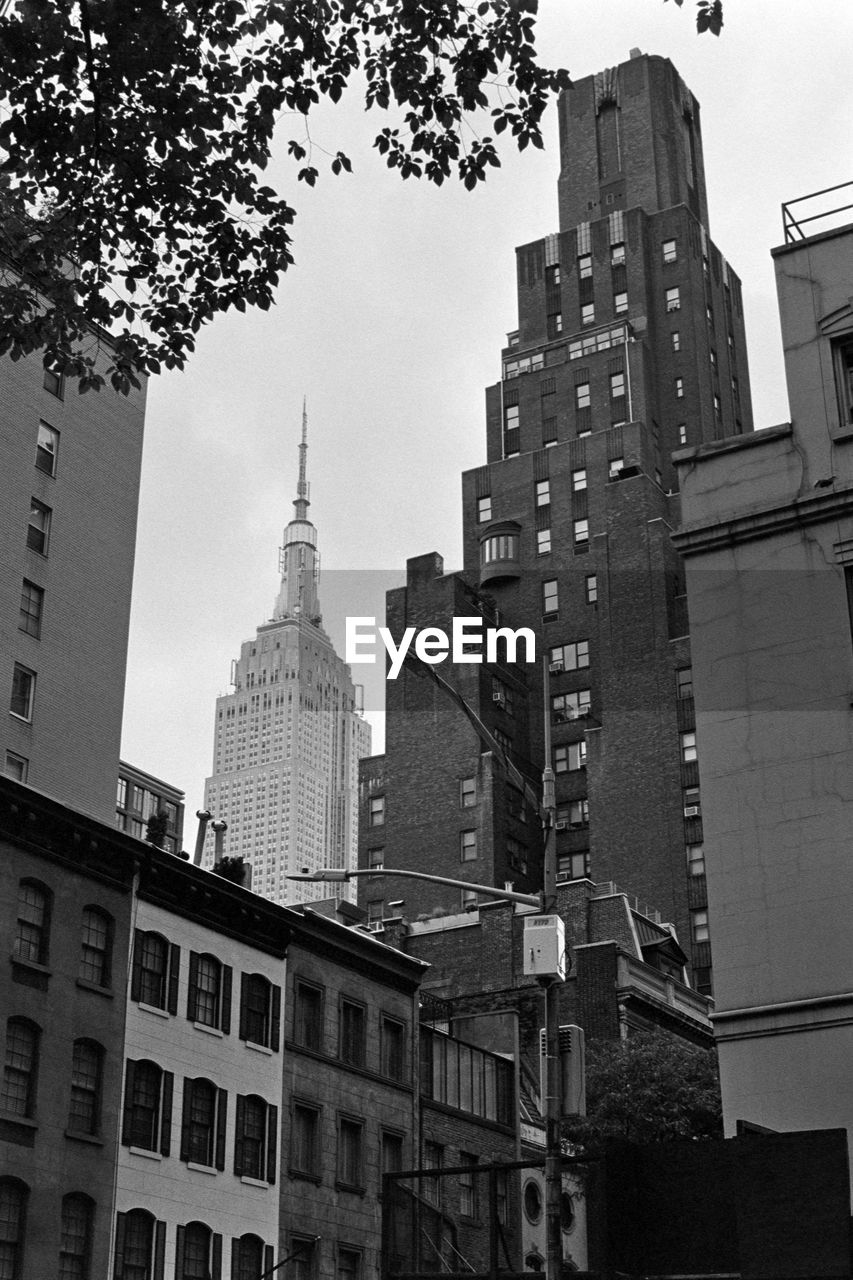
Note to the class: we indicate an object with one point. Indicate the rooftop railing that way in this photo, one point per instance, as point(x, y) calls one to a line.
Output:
point(793, 223)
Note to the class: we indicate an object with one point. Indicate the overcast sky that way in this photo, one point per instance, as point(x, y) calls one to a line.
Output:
point(391, 323)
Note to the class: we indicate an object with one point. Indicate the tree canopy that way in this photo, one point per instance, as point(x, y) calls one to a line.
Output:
point(649, 1088)
point(134, 136)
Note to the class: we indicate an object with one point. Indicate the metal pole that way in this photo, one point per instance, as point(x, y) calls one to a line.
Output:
point(552, 1100)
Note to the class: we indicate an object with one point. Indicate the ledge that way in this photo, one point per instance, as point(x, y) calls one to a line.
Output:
point(254, 1182)
point(153, 1008)
point(258, 1048)
point(201, 1168)
point(145, 1153)
point(209, 1031)
point(85, 985)
point(77, 1135)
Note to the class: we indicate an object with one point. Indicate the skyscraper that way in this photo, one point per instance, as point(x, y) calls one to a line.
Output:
point(630, 343)
point(288, 737)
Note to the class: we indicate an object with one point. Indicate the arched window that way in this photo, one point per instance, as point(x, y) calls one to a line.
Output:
point(247, 1261)
point(134, 1245)
point(193, 1260)
point(255, 1008)
point(199, 1122)
point(18, 1094)
point(75, 1238)
point(151, 970)
point(147, 1107)
point(255, 1138)
point(96, 946)
point(13, 1215)
point(86, 1065)
point(32, 935)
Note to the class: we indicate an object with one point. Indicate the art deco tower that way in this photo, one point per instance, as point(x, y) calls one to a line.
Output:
point(288, 737)
point(629, 345)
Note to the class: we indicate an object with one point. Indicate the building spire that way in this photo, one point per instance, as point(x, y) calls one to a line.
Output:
point(299, 561)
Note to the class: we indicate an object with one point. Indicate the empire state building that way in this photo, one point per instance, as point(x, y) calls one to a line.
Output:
point(288, 737)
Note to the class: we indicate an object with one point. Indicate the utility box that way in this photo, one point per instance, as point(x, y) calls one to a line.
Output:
point(544, 947)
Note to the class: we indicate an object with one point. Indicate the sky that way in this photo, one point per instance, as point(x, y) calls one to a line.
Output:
point(390, 324)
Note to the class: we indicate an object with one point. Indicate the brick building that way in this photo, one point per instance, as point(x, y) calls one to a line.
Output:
point(70, 467)
point(630, 343)
point(140, 796)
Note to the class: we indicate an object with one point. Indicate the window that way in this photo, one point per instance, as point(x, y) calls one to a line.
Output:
point(47, 449)
point(670, 253)
point(32, 604)
point(709, 315)
point(591, 588)
point(712, 355)
point(620, 302)
point(552, 276)
point(308, 1016)
point(250, 1259)
point(617, 385)
point(543, 493)
point(209, 994)
point(614, 468)
point(391, 1152)
point(156, 969)
point(570, 756)
point(684, 682)
point(617, 255)
point(392, 1048)
point(147, 1120)
point(842, 353)
point(554, 324)
point(585, 266)
point(695, 859)
point(376, 811)
point(682, 434)
point(260, 1010)
point(511, 421)
point(543, 541)
point(467, 846)
point(303, 1258)
point(568, 657)
point(198, 1252)
point(484, 509)
point(86, 1072)
point(699, 926)
point(467, 792)
point(570, 706)
point(376, 915)
point(140, 1245)
point(203, 1121)
point(503, 546)
point(676, 340)
point(33, 924)
point(468, 1186)
point(305, 1139)
point(580, 532)
point(579, 479)
point(433, 1158)
point(588, 313)
point(692, 802)
point(688, 747)
point(679, 388)
point(376, 858)
point(718, 407)
point(95, 949)
point(13, 1212)
point(23, 690)
point(352, 1033)
point(350, 1141)
point(550, 596)
point(673, 300)
point(573, 866)
point(582, 397)
point(53, 382)
point(349, 1263)
point(255, 1139)
point(468, 900)
point(75, 1237)
point(20, 1068)
point(575, 814)
point(16, 766)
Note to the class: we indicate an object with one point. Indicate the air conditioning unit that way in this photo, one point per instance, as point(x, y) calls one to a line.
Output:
point(561, 825)
point(376, 926)
point(555, 668)
point(692, 811)
point(499, 699)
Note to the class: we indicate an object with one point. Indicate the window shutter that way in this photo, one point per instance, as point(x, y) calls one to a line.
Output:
point(238, 1135)
point(174, 974)
point(216, 1260)
point(136, 973)
point(244, 995)
point(179, 1253)
point(185, 1118)
point(275, 1020)
point(193, 985)
point(166, 1113)
point(118, 1265)
point(269, 1258)
point(272, 1142)
point(221, 1126)
point(225, 1021)
point(159, 1250)
point(235, 1257)
point(129, 1074)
